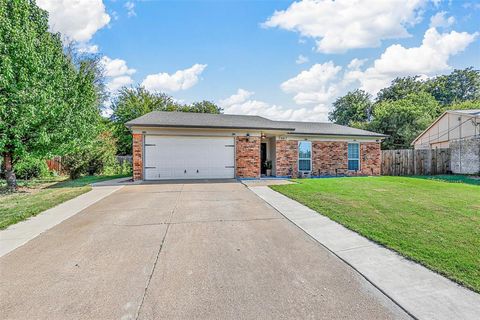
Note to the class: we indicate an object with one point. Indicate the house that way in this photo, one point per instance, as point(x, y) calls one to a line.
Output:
point(450, 126)
point(177, 145)
point(459, 131)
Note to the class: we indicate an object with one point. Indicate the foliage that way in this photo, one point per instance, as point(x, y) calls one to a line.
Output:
point(48, 100)
point(124, 168)
point(456, 87)
point(30, 167)
point(355, 106)
point(465, 105)
point(432, 222)
point(400, 88)
point(403, 120)
point(93, 157)
point(133, 102)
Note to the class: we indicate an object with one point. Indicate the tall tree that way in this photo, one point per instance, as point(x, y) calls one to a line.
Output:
point(48, 104)
point(354, 107)
point(400, 88)
point(133, 102)
point(402, 120)
point(458, 86)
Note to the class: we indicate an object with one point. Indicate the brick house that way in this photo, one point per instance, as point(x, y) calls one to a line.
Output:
point(177, 145)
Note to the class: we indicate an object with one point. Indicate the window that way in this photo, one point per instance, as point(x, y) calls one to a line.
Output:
point(353, 156)
point(304, 156)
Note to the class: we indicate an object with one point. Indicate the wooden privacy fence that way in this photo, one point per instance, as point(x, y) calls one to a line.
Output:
point(406, 162)
point(55, 164)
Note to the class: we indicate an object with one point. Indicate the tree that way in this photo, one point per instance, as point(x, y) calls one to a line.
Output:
point(458, 86)
point(400, 88)
point(403, 120)
point(133, 102)
point(354, 107)
point(48, 102)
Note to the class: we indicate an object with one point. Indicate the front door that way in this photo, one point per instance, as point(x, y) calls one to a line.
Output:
point(263, 158)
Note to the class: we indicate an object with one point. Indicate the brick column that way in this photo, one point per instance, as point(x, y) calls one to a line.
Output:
point(137, 156)
point(247, 157)
point(286, 158)
point(370, 158)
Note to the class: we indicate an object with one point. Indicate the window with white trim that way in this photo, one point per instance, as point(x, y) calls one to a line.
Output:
point(354, 156)
point(304, 156)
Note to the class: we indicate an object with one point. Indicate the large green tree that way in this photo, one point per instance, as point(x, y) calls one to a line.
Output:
point(133, 102)
point(400, 88)
point(456, 87)
point(354, 107)
point(404, 119)
point(48, 102)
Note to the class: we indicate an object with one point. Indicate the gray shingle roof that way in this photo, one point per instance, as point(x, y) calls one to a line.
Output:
point(472, 112)
point(231, 121)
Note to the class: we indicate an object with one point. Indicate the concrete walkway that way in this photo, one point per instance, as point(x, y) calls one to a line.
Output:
point(183, 251)
point(20, 233)
point(423, 293)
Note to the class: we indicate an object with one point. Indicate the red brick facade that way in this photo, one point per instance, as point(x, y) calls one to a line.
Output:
point(247, 157)
point(329, 158)
point(137, 156)
point(286, 159)
point(370, 158)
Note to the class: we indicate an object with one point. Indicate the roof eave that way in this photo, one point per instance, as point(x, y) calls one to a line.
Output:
point(129, 125)
point(339, 134)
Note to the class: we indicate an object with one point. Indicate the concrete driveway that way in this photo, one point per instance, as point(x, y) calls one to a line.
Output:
point(183, 251)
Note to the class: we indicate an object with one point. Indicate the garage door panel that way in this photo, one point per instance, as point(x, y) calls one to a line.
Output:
point(188, 157)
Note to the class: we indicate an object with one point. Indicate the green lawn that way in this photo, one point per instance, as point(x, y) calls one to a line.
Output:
point(36, 196)
point(454, 178)
point(433, 222)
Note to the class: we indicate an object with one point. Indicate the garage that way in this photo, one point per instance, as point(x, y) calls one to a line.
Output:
point(182, 157)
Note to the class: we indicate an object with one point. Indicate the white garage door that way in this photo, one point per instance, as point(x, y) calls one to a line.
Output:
point(189, 157)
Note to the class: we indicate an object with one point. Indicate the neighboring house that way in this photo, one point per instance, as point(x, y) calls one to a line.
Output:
point(176, 145)
point(451, 125)
point(458, 130)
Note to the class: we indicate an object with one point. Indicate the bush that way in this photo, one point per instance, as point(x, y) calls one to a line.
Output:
point(31, 167)
point(117, 168)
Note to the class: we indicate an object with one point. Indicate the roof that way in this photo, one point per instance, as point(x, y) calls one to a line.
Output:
point(467, 112)
point(471, 112)
point(232, 121)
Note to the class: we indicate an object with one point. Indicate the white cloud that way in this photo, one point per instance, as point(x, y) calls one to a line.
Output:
point(116, 67)
point(87, 48)
point(430, 58)
point(301, 59)
point(130, 6)
point(240, 103)
point(440, 20)
point(355, 64)
point(118, 82)
point(117, 72)
point(344, 24)
point(313, 86)
point(76, 20)
point(180, 80)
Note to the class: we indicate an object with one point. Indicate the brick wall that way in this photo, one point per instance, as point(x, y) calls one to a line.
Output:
point(247, 157)
point(137, 156)
point(329, 158)
point(370, 158)
point(286, 158)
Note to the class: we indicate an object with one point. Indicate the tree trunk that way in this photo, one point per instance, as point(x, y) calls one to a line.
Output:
point(9, 174)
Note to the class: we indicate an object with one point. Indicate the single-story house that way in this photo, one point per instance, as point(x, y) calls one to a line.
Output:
point(177, 145)
point(452, 125)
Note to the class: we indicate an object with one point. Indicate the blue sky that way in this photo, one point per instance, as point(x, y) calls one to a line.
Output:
point(280, 59)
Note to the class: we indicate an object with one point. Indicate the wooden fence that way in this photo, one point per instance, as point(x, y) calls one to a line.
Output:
point(415, 162)
point(55, 164)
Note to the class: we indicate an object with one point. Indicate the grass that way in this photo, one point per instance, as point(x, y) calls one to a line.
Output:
point(432, 222)
point(475, 180)
point(36, 196)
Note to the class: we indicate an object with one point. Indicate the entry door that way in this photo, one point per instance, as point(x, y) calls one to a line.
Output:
point(189, 157)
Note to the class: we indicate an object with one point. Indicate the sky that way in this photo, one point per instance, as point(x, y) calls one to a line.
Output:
point(285, 60)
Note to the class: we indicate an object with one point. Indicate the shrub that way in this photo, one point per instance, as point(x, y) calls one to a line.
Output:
point(31, 167)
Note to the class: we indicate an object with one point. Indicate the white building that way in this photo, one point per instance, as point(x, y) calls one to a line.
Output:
point(452, 125)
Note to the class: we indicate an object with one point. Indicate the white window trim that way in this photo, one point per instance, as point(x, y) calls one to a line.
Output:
point(359, 157)
point(298, 156)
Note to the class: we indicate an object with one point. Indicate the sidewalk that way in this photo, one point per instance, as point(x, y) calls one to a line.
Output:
point(18, 234)
point(421, 292)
